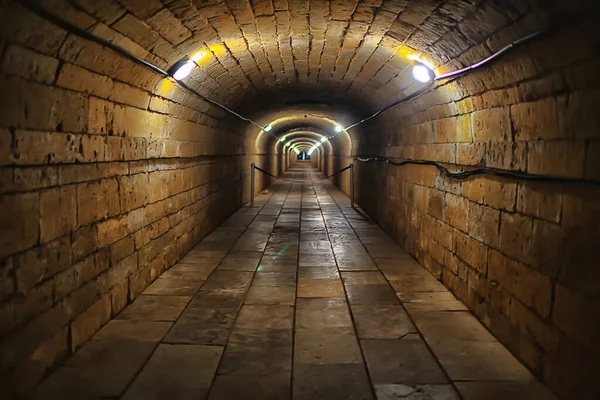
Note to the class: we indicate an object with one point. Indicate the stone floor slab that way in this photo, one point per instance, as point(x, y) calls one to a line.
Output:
point(176, 372)
point(371, 294)
point(530, 390)
point(478, 361)
point(275, 295)
point(416, 392)
point(331, 382)
point(381, 321)
point(331, 288)
point(443, 325)
point(403, 361)
point(155, 308)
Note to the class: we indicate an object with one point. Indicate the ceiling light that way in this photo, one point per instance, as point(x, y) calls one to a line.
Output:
point(421, 73)
point(182, 69)
point(268, 128)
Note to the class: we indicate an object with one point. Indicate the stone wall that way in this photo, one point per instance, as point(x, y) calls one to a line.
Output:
point(108, 175)
point(521, 255)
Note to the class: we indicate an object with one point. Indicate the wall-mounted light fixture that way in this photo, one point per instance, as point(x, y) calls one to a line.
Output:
point(422, 73)
point(182, 68)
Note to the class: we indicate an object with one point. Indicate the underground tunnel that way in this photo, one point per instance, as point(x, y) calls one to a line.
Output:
point(299, 199)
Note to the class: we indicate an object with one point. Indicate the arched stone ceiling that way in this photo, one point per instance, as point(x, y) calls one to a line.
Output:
point(303, 48)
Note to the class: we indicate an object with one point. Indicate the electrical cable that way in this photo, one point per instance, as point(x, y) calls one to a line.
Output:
point(295, 180)
point(462, 175)
point(74, 29)
point(448, 75)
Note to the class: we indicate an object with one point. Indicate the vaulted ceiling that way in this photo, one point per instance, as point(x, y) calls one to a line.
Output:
point(344, 49)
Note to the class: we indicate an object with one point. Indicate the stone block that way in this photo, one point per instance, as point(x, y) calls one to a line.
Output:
point(491, 125)
point(81, 80)
point(20, 222)
point(541, 201)
point(526, 284)
point(578, 315)
point(133, 190)
point(515, 236)
point(87, 323)
point(96, 201)
point(493, 192)
point(484, 224)
point(470, 251)
point(29, 65)
point(112, 230)
point(58, 212)
point(536, 120)
point(577, 115)
point(100, 116)
point(560, 158)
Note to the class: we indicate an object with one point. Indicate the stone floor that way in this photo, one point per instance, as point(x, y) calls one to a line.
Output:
point(303, 297)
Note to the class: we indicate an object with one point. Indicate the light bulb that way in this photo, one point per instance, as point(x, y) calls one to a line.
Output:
point(421, 73)
point(184, 71)
point(268, 128)
point(323, 139)
point(282, 139)
point(338, 128)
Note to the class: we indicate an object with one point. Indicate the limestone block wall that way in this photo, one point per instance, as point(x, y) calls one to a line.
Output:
point(521, 255)
point(108, 175)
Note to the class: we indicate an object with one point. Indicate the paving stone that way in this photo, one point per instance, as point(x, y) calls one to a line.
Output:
point(402, 361)
point(363, 278)
point(217, 300)
point(265, 387)
point(431, 301)
point(350, 262)
point(202, 270)
point(233, 282)
point(257, 353)
point(415, 392)
point(460, 325)
point(371, 294)
point(173, 287)
point(274, 279)
point(332, 288)
point(316, 260)
point(203, 325)
point(265, 317)
point(337, 346)
point(150, 331)
point(381, 321)
point(322, 314)
point(155, 308)
point(176, 371)
point(309, 273)
point(331, 381)
point(240, 261)
point(531, 390)
point(277, 295)
point(411, 283)
point(478, 361)
point(101, 368)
